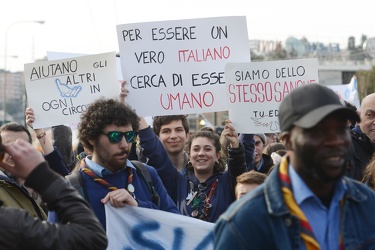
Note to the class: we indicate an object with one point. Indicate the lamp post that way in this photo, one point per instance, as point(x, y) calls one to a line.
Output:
point(5, 61)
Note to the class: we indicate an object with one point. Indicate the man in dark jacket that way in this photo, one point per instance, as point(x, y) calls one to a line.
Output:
point(79, 227)
point(363, 138)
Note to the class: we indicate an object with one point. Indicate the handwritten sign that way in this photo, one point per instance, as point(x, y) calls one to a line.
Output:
point(55, 55)
point(255, 90)
point(143, 228)
point(60, 90)
point(177, 67)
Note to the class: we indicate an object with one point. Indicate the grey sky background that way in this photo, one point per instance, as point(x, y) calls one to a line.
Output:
point(89, 26)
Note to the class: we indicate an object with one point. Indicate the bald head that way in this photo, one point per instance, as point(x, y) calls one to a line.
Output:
point(367, 123)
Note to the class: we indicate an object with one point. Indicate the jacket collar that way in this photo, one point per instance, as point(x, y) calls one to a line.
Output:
point(273, 194)
point(353, 192)
point(275, 200)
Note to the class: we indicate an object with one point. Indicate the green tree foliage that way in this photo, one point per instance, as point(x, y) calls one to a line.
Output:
point(366, 82)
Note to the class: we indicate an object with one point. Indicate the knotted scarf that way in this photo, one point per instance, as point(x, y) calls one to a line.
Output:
point(307, 234)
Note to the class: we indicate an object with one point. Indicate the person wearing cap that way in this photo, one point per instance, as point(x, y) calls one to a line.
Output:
point(306, 202)
point(363, 137)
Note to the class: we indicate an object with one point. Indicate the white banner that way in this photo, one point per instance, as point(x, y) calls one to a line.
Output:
point(348, 92)
point(255, 91)
point(177, 67)
point(59, 91)
point(142, 228)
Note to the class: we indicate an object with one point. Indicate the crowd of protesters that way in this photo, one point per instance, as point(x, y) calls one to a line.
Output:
point(244, 183)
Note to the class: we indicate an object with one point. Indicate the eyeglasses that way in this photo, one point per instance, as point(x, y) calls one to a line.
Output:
point(116, 136)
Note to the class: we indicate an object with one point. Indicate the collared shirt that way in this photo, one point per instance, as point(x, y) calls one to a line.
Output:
point(99, 170)
point(324, 221)
point(2, 173)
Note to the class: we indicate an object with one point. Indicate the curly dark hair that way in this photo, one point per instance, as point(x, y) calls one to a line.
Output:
point(105, 112)
point(158, 121)
point(215, 139)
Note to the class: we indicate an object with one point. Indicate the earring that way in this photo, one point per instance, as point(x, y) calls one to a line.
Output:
point(217, 164)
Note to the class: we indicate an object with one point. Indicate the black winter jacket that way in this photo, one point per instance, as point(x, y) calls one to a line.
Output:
point(360, 154)
point(79, 227)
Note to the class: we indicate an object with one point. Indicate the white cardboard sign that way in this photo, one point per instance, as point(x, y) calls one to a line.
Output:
point(59, 91)
point(255, 90)
point(177, 67)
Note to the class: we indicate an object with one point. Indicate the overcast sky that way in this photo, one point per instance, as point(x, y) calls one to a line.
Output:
point(89, 26)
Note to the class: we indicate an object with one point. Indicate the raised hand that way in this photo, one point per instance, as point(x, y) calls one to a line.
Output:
point(30, 117)
point(124, 92)
point(25, 157)
point(231, 134)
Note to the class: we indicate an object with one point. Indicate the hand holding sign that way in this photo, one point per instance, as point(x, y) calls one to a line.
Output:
point(230, 134)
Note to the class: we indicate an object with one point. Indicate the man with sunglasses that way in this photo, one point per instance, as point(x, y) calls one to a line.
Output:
point(107, 129)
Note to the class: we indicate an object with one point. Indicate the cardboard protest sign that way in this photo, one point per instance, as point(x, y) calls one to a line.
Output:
point(255, 90)
point(144, 228)
point(55, 55)
point(177, 67)
point(59, 91)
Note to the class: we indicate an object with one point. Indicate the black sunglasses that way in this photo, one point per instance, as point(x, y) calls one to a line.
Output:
point(116, 136)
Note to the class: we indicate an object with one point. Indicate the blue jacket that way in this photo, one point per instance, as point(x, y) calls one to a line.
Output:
point(178, 185)
point(96, 192)
point(56, 163)
point(261, 219)
point(248, 142)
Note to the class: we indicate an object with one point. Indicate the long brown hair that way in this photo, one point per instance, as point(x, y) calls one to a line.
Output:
point(369, 173)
